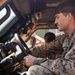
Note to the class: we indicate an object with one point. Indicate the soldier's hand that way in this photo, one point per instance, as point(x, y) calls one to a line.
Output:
point(29, 60)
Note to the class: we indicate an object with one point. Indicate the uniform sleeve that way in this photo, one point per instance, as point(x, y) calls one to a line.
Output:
point(50, 50)
point(38, 61)
point(60, 66)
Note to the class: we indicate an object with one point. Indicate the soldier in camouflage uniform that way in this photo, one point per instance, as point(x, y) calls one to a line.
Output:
point(65, 63)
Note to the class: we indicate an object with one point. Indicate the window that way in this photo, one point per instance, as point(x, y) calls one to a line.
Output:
point(42, 32)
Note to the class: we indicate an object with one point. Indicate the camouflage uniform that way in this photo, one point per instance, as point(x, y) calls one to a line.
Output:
point(65, 65)
point(51, 50)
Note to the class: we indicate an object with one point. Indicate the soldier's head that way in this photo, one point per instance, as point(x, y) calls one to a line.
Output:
point(65, 13)
point(49, 37)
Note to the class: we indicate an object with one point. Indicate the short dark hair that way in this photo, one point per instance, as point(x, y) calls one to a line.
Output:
point(66, 7)
point(49, 37)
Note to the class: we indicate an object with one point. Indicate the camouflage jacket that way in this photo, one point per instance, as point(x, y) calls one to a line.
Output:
point(65, 65)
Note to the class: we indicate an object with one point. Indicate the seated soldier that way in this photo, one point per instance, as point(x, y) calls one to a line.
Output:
point(65, 65)
point(48, 37)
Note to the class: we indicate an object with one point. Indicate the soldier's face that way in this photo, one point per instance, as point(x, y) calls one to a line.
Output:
point(62, 21)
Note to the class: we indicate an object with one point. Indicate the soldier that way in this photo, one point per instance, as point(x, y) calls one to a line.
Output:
point(65, 64)
point(48, 37)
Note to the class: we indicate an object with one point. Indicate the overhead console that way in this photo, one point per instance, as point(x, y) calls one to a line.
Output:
point(26, 7)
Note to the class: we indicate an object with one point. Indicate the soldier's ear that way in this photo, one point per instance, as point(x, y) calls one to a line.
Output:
point(69, 16)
